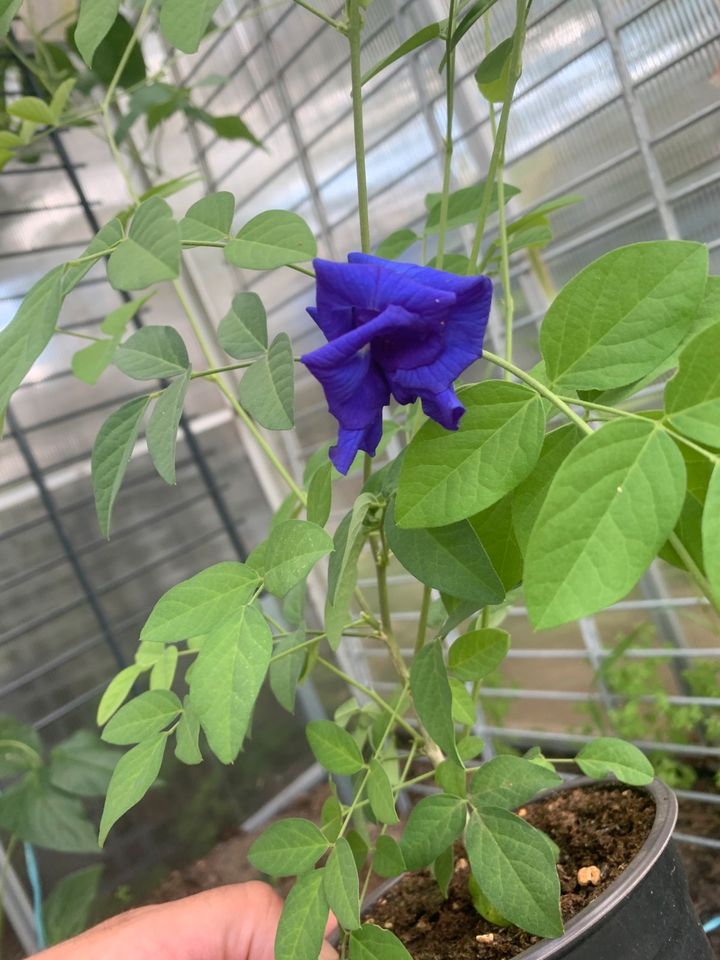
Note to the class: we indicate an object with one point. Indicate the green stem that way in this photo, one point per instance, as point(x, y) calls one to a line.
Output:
point(330, 21)
point(213, 371)
point(299, 269)
point(300, 646)
point(448, 146)
point(392, 720)
point(508, 303)
point(230, 396)
point(694, 571)
point(369, 692)
point(9, 850)
point(110, 92)
point(80, 336)
point(539, 388)
point(354, 32)
point(499, 145)
point(423, 622)
point(21, 747)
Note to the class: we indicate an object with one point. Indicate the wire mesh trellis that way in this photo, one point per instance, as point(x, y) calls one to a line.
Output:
point(619, 101)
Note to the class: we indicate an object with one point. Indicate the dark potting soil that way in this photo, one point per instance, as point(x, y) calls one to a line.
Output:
point(602, 827)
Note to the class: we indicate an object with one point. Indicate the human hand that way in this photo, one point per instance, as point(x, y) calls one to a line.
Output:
point(236, 922)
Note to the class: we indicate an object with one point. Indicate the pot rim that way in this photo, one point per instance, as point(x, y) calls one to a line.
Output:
point(666, 811)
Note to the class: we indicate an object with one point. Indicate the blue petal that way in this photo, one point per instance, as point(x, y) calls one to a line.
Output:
point(350, 442)
point(428, 276)
point(444, 408)
point(372, 286)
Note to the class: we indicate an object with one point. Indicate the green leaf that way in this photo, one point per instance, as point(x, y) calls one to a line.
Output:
point(463, 706)
point(19, 742)
point(450, 776)
point(341, 885)
point(495, 531)
point(226, 680)
point(613, 503)
point(397, 243)
point(288, 847)
point(90, 362)
point(32, 109)
point(163, 426)
point(37, 813)
point(470, 747)
point(272, 239)
point(448, 558)
point(108, 236)
point(432, 697)
point(28, 333)
point(8, 10)
point(151, 252)
point(319, 496)
point(243, 330)
point(623, 314)
point(111, 455)
point(112, 50)
point(285, 673)
point(145, 715)
point(66, 911)
point(431, 32)
point(331, 817)
point(530, 495)
point(513, 865)
point(469, 18)
point(133, 776)
point(60, 98)
point(443, 870)
point(185, 22)
point(709, 311)
point(95, 19)
point(82, 765)
point(508, 782)
point(711, 531)
point(692, 397)
point(464, 205)
point(187, 735)
point(229, 127)
point(688, 529)
point(267, 389)
point(373, 943)
point(608, 755)
point(293, 549)
point(380, 794)
point(447, 476)
point(359, 847)
point(302, 925)
point(209, 220)
point(476, 654)
point(433, 825)
point(493, 75)
point(116, 692)
point(349, 540)
point(388, 859)
point(153, 353)
point(333, 747)
point(197, 606)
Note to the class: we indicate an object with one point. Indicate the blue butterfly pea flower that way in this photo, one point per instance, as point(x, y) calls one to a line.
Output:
point(392, 329)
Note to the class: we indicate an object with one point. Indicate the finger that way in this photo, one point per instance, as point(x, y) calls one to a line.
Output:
point(328, 952)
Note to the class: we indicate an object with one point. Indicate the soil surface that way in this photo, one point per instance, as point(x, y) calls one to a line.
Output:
point(602, 827)
point(227, 863)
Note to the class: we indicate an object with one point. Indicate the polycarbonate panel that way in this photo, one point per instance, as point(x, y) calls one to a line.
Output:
point(573, 154)
point(566, 265)
point(666, 32)
point(691, 152)
point(697, 214)
point(682, 89)
point(566, 98)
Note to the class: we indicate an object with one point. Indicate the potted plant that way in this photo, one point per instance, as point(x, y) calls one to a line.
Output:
point(542, 480)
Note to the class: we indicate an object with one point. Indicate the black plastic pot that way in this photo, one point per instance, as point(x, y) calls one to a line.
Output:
point(646, 914)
